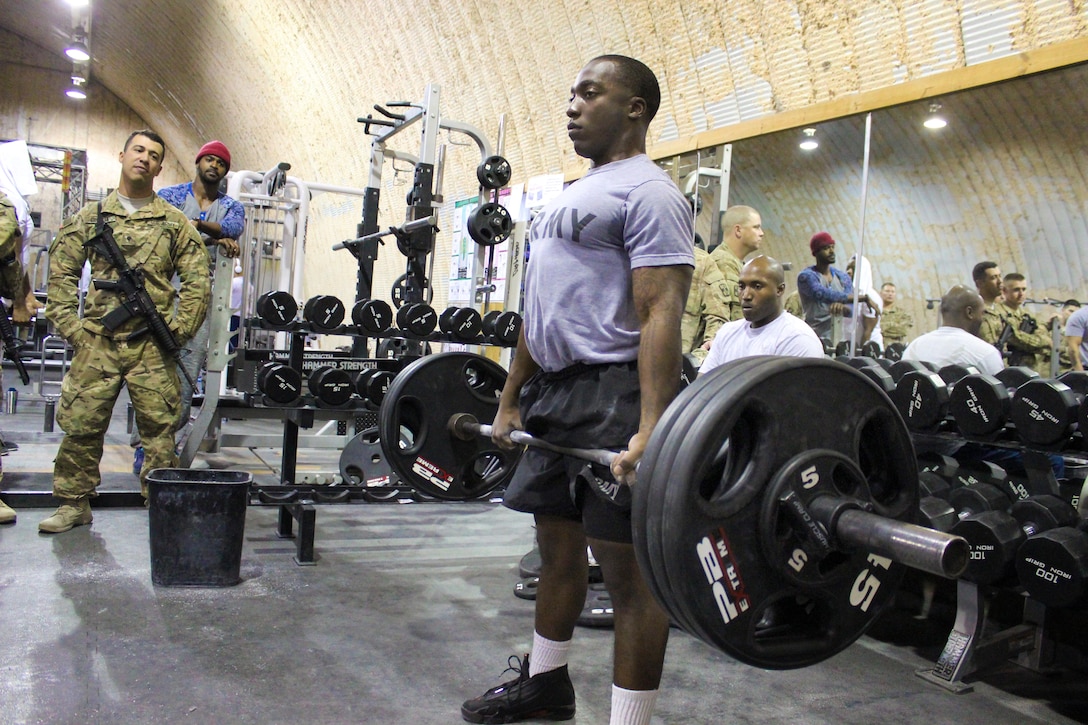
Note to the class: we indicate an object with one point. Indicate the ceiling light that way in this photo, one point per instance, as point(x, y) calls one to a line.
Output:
point(809, 142)
point(79, 3)
point(76, 92)
point(934, 120)
point(77, 49)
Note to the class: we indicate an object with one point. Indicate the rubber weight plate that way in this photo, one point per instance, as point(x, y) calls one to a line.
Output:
point(363, 463)
point(415, 417)
point(489, 224)
point(736, 571)
point(494, 172)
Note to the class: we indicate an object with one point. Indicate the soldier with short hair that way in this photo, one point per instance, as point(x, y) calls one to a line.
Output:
point(895, 322)
point(742, 234)
point(158, 239)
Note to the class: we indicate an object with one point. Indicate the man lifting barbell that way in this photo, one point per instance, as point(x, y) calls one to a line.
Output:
point(597, 362)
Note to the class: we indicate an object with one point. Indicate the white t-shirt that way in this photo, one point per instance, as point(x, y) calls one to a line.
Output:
point(954, 346)
point(786, 335)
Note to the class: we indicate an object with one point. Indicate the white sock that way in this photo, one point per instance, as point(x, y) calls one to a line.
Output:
point(547, 655)
point(632, 707)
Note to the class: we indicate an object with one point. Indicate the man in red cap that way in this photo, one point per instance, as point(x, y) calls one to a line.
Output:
point(219, 219)
point(826, 292)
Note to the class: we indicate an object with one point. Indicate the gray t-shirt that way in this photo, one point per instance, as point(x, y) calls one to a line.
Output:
point(579, 306)
point(1077, 326)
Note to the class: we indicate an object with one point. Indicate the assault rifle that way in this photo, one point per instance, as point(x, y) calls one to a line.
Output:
point(12, 346)
point(1003, 341)
point(135, 301)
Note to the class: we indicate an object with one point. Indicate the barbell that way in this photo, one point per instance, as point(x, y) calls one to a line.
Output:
point(771, 520)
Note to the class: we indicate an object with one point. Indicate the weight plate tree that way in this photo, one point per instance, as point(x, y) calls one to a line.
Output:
point(413, 426)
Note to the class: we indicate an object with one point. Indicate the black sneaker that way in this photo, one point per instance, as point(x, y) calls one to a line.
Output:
point(548, 696)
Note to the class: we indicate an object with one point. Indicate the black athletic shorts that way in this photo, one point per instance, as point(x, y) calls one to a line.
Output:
point(583, 406)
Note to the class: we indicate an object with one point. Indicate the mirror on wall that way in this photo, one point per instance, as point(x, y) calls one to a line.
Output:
point(1005, 179)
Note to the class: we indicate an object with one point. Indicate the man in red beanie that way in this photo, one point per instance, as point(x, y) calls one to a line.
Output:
point(219, 219)
point(826, 292)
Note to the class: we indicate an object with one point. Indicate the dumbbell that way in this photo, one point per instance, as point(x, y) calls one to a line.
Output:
point(502, 327)
point(277, 309)
point(280, 383)
point(996, 536)
point(331, 386)
point(922, 397)
point(1053, 566)
point(324, 312)
point(936, 513)
point(372, 385)
point(894, 352)
point(464, 323)
point(902, 367)
point(980, 403)
point(375, 316)
point(418, 318)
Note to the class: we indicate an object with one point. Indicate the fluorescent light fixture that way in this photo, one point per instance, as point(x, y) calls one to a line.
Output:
point(809, 142)
point(76, 92)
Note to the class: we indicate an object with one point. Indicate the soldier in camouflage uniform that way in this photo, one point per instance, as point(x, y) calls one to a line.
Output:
point(1030, 344)
point(706, 309)
point(158, 239)
point(895, 322)
point(793, 306)
point(13, 286)
point(742, 234)
point(987, 277)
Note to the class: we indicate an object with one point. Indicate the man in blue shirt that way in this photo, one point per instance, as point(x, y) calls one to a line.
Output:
point(220, 220)
point(826, 292)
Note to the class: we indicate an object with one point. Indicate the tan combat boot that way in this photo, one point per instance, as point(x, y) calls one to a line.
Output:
point(7, 514)
point(71, 513)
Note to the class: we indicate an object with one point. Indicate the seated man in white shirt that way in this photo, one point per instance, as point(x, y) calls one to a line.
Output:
point(956, 341)
point(765, 329)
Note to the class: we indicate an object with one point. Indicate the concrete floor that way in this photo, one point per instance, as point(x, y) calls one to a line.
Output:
point(408, 611)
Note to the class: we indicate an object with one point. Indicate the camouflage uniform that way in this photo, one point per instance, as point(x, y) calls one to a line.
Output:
point(895, 324)
point(11, 267)
point(159, 240)
point(993, 322)
point(730, 266)
point(793, 306)
point(706, 308)
point(1030, 349)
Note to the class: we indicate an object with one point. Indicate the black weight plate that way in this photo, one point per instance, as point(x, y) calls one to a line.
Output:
point(372, 315)
point(415, 417)
point(1044, 412)
point(648, 502)
point(526, 588)
point(278, 308)
point(281, 383)
point(363, 463)
point(330, 385)
point(745, 436)
point(400, 289)
point(979, 404)
point(597, 610)
point(493, 172)
point(324, 312)
point(922, 399)
point(489, 224)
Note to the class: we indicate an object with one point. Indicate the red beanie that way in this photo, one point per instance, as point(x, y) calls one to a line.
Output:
point(819, 241)
point(214, 148)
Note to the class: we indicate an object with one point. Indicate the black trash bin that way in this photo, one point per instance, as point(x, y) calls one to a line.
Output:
point(197, 519)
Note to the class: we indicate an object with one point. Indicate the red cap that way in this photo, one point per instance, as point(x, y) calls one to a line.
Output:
point(214, 148)
point(819, 241)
